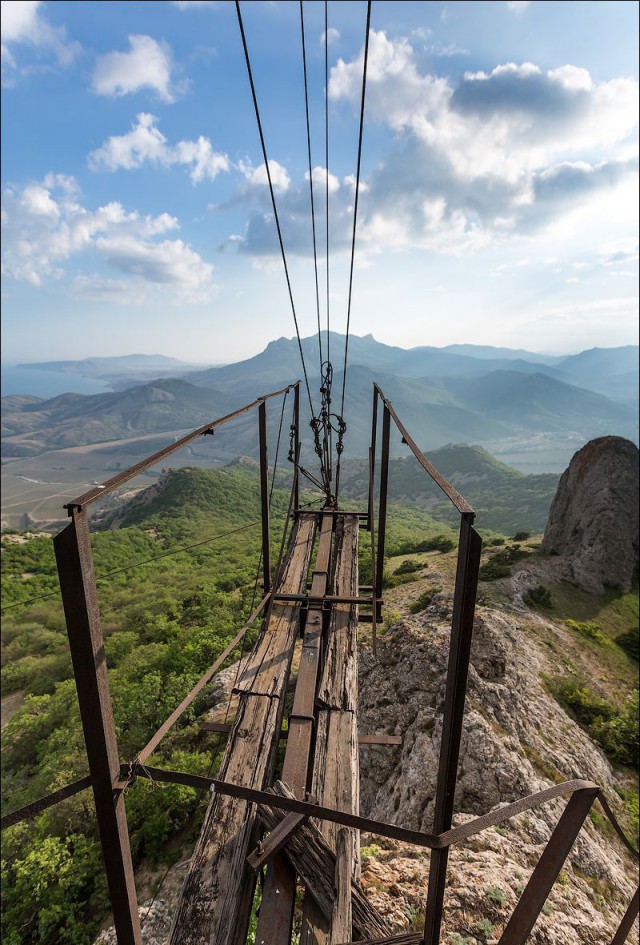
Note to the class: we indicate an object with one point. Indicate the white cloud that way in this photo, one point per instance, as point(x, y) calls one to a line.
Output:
point(23, 24)
point(145, 143)
point(187, 4)
point(45, 226)
point(518, 5)
point(501, 152)
point(147, 65)
point(332, 36)
point(323, 181)
point(257, 177)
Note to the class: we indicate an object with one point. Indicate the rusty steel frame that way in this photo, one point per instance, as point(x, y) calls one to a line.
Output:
point(80, 602)
point(108, 777)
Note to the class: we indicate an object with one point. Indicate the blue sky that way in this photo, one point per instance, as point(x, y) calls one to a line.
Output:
point(499, 189)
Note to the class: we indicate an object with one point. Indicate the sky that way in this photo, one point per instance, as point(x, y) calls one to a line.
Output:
point(498, 201)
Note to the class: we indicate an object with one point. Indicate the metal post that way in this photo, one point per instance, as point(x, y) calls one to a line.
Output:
point(469, 547)
point(627, 921)
point(264, 496)
point(382, 512)
point(296, 449)
point(549, 865)
point(79, 598)
point(372, 458)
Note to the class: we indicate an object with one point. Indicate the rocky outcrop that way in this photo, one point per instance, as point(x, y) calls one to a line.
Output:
point(593, 522)
point(516, 740)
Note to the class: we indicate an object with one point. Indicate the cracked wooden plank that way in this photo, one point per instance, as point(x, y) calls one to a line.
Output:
point(218, 891)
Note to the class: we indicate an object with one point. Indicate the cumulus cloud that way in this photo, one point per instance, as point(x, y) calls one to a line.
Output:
point(257, 176)
point(23, 24)
point(146, 65)
point(45, 225)
point(499, 152)
point(145, 143)
point(293, 202)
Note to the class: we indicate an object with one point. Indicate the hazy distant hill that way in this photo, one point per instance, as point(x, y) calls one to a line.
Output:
point(442, 397)
point(119, 371)
point(76, 420)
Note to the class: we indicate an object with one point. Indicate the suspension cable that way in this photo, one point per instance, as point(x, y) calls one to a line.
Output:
point(355, 222)
point(326, 198)
point(273, 199)
point(313, 210)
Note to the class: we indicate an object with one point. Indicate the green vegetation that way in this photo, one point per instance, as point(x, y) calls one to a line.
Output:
point(505, 500)
point(615, 730)
point(423, 601)
point(539, 596)
point(630, 643)
point(499, 564)
point(165, 621)
point(409, 567)
point(496, 895)
point(589, 630)
point(442, 543)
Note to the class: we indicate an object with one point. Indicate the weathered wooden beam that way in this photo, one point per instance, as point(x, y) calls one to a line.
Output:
point(335, 778)
point(315, 862)
point(279, 891)
point(218, 891)
point(267, 849)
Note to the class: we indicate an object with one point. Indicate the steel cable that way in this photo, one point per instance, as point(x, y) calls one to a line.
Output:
point(355, 223)
point(273, 198)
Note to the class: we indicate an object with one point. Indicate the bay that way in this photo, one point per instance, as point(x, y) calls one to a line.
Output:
point(47, 384)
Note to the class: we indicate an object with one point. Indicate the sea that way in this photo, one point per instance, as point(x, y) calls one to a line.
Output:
point(45, 384)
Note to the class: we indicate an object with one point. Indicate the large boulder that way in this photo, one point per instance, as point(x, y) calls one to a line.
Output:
point(593, 522)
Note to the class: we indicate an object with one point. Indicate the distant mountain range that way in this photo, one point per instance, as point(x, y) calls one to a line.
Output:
point(459, 394)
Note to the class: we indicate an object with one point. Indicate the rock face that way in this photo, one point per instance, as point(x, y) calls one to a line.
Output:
point(516, 740)
point(593, 522)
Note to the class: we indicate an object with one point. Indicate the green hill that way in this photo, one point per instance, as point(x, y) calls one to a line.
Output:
point(504, 499)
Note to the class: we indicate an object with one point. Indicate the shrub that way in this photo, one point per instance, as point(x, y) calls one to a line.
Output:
point(630, 642)
point(589, 630)
point(539, 597)
point(497, 541)
point(423, 601)
point(496, 895)
point(521, 536)
point(499, 564)
point(408, 567)
point(614, 730)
